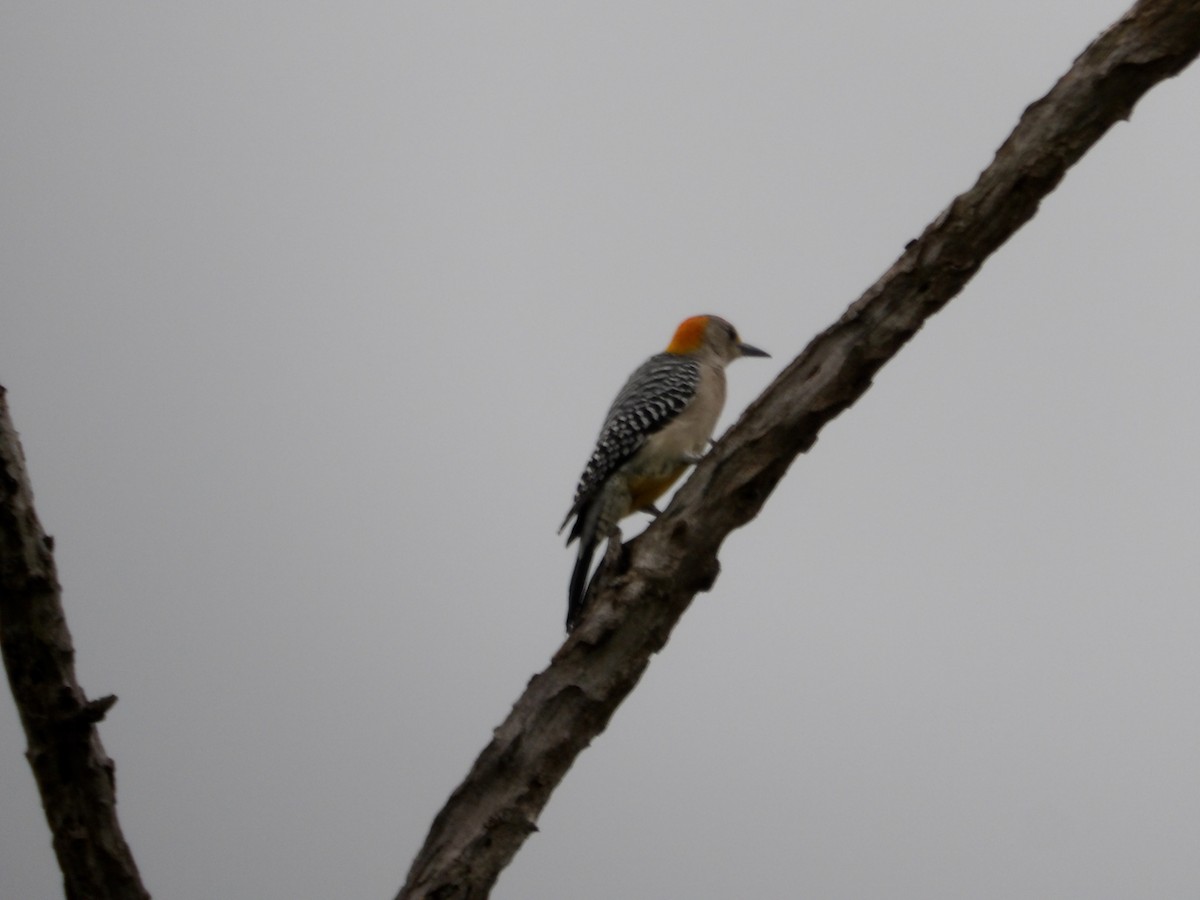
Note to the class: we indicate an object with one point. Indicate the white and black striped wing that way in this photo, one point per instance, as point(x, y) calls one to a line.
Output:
point(654, 395)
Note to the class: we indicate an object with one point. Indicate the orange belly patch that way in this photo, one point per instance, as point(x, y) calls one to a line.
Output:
point(644, 491)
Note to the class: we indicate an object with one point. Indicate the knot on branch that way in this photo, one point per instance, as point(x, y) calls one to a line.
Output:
point(84, 716)
point(701, 576)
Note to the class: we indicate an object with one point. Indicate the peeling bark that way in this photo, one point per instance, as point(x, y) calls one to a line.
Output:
point(636, 601)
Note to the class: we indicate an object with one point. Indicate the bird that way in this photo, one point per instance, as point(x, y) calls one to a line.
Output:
point(661, 422)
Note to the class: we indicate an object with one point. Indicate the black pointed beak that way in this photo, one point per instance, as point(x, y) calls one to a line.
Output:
point(748, 350)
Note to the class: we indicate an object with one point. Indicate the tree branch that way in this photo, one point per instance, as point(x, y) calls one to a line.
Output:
point(74, 776)
point(637, 599)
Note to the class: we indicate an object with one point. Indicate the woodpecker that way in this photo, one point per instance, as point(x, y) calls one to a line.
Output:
point(661, 422)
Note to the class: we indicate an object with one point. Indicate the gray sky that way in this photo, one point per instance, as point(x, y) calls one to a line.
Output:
point(310, 317)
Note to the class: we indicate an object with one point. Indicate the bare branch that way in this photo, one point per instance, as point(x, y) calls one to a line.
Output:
point(74, 776)
point(641, 594)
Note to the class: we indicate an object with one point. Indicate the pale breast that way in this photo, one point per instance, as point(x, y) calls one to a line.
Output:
point(687, 435)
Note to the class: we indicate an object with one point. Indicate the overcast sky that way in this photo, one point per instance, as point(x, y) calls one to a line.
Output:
point(311, 313)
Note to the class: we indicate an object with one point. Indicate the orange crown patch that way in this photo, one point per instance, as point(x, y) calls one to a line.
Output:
point(689, 335)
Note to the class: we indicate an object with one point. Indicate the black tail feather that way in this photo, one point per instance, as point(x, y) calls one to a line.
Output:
point(579, 577)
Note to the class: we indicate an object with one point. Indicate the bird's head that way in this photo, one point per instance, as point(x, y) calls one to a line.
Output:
point(710, 336)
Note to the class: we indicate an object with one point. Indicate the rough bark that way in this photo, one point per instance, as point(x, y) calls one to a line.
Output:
point(646, 585)
point(73, 774)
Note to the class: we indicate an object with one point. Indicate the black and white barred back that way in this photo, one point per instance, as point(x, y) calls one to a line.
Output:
point(655, 394)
